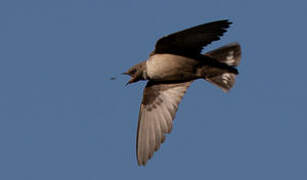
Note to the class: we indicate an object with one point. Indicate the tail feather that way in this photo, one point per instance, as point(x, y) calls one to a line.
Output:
point(225, 81)
point(230, 55)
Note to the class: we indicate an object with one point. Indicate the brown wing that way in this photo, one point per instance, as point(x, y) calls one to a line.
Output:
point(192, 40)
point(157, 111)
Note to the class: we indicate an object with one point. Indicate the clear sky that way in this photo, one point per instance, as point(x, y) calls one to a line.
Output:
point(61, 117)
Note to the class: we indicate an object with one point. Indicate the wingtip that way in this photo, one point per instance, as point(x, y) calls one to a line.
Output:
point(141, 163)
point(223, 22)
point(228, 21)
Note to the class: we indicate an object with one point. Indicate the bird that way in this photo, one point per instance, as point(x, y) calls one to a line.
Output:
point(176, 61)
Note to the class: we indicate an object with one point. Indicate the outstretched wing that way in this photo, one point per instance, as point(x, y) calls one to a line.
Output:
point(157, 111)
point(192, 40)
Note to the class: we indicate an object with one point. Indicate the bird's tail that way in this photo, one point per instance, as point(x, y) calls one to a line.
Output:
point(230, 55)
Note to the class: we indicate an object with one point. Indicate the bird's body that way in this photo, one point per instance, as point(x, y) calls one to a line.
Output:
point(170, 69)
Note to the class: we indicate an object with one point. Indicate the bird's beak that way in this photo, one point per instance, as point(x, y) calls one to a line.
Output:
point(127, 83)
point(132, 80)
point(125, 73)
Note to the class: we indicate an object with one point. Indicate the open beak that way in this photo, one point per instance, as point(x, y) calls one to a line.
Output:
point(127, 83)
point(132, 80)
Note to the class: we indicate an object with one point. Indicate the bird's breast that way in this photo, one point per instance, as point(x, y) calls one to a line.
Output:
point(169, 67)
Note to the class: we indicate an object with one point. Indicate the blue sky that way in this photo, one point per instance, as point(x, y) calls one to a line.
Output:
point(61, 117)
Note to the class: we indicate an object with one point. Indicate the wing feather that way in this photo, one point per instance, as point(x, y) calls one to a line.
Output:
point(191, 41)
point(157, 111)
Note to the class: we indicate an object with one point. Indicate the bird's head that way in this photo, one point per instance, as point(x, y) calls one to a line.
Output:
point(136, 73)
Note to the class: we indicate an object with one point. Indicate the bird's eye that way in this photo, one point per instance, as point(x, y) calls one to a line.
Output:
point(133, 71)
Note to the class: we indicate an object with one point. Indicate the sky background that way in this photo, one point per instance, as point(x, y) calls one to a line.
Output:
point(61, 117)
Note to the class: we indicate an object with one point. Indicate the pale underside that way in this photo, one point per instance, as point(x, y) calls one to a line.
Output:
point(169, 67)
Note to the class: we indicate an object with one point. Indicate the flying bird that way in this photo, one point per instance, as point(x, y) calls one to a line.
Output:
point(174, 64)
